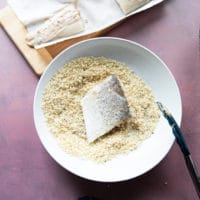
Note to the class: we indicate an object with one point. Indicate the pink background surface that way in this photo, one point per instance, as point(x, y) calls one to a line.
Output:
point(171, 30)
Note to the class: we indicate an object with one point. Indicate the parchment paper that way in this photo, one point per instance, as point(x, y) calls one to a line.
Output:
point(97, 14)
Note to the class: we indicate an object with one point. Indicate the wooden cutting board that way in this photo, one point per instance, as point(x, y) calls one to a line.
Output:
point(37, 58)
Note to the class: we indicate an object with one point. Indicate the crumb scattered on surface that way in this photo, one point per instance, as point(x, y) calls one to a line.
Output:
point(63, 112)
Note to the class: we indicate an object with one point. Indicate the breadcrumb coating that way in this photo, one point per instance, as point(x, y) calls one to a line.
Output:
point(62, 109)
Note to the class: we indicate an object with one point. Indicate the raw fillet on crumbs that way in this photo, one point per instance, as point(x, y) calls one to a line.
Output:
point(104, 107)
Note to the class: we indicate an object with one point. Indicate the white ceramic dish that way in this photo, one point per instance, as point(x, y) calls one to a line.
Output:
point(156, 75)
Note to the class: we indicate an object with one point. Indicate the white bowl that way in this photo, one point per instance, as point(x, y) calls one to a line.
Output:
point(156, 75)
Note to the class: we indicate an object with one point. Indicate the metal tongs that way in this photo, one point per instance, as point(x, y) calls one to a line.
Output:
point(183, 146)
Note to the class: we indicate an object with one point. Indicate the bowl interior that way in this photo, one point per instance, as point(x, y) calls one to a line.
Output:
point(156, 75)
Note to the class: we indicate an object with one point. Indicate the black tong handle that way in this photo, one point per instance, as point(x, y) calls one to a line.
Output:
point(183, 146)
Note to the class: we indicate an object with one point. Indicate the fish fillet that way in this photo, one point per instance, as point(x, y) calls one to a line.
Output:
point(128, 6)
point(64, 23)
point(104, 107)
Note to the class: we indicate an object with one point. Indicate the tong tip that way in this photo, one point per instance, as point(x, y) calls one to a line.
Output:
point(161, 107)
point(165, 112)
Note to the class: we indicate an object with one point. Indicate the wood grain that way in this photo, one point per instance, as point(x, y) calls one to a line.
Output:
point(38, 59)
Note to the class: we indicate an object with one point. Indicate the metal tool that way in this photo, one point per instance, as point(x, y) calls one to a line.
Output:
point(183, 146)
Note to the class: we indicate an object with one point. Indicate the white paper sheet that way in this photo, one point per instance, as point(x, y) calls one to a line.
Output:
point(97, 15)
